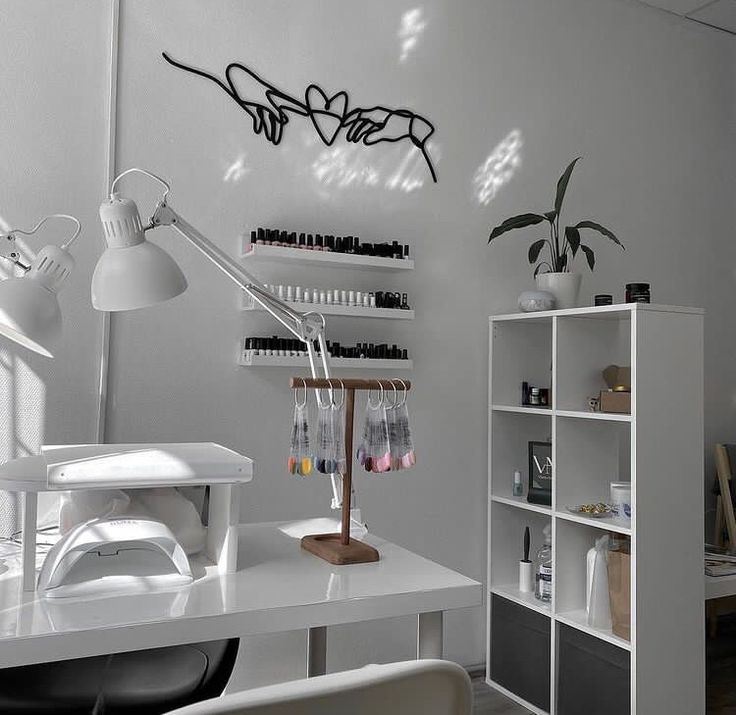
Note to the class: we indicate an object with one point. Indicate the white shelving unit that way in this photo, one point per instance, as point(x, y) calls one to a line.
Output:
point(659, 448)
point(283, 254)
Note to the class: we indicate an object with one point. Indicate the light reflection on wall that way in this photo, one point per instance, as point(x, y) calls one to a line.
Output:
point(393, 168)
point(237, 170)
point(410, 30)
point(498, 168)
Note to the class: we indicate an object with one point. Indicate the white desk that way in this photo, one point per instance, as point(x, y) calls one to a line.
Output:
point(719, 586)
point(277, 587)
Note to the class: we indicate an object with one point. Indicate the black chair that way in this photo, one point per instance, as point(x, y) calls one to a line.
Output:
point(148, 682)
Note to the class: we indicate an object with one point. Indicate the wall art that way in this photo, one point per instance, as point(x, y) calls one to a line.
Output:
point(269, 109)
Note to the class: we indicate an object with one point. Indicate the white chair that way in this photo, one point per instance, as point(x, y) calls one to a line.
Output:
point(417, 687)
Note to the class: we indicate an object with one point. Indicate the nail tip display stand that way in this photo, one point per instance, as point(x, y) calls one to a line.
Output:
point(340, 549)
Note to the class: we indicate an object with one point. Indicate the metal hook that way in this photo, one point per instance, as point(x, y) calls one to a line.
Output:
point(380, 401)
point(395, 402)
point(342, 394)
point(406, 392)
point(296, 395)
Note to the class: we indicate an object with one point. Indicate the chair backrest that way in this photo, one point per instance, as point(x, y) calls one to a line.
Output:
point(417, 687)
point(724, 462)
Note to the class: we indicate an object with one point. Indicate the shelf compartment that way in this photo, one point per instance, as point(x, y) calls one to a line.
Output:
point(578, 619)
point(588, 456)
point(247, 360)
point(282, 254)
point(572, 542)
point(604, 670)
point(585, 346)
point(520, 652)
point(521, 503)
point(511, 592)
point(520, 352)
point(507, 538)
point(511, 433)
point(349, 311)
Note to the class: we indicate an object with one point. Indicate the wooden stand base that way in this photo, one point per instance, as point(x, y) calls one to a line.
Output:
point(330, 548)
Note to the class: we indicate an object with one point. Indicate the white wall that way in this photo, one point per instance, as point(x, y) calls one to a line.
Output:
point(645, 98)
point(52, 142)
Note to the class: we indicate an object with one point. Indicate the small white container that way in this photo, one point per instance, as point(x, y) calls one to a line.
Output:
point(621, 500)
point(526, 576)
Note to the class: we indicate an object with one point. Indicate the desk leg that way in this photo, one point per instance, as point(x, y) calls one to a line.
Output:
point(316, 651)
point(429, 635)
point(30, 516)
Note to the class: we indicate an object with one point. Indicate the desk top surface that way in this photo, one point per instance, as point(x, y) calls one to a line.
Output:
point(277, 587)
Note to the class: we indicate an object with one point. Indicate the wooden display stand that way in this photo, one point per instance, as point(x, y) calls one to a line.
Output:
point(340, 549)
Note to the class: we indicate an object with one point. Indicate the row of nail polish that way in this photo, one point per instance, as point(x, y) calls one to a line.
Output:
point(292, 347)
point(319, 242)
point(355, 298)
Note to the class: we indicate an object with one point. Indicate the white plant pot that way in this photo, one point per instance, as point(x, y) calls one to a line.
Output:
point(565, 287)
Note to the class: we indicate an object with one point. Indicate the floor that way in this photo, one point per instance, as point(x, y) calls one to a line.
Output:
point(490, 702)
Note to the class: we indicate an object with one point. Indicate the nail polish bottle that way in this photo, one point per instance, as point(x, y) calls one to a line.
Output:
point(260, 236)
point(351, 297)
point(358, 298)
point(404, 354)
point(406, 250)
point(356, 245)
point(322, 297)
point(289, 294)
point(366, 300)
point(310, 242)
point(329, 298)
point(405, 302)
point(372, 298)
point(298, 294)
point(318, 242)
point(330, 246)
point(302, 241)
point(281, 292)
point(343, 297)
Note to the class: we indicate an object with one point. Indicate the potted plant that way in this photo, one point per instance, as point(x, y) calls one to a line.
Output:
point(553, 273)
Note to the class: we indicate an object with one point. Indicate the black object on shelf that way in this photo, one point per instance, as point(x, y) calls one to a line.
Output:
point(603, 299)
point(520, 651)
point(540, 473)
point(638, 293)
point(593, 676)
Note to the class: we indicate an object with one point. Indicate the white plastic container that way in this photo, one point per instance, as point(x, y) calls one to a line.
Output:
point(621, 500)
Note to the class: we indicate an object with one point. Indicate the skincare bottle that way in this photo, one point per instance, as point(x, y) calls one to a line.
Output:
point(518, 486)
point(544, 568)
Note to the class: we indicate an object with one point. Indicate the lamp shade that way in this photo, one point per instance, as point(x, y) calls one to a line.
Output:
point(30, 314)
point(131, 273)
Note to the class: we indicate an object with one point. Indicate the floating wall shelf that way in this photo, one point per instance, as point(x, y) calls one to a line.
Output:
point(281, 254)
point(350, 311)
point(248, 360)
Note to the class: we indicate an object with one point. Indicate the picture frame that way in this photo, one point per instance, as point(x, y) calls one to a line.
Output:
point(540, 473)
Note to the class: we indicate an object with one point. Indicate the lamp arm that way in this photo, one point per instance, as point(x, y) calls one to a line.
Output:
point(308, 327)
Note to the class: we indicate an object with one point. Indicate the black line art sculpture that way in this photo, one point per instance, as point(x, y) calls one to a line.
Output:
point(269, 110)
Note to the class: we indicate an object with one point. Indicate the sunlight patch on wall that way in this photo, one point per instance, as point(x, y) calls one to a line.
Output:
point(499, 168)
point(236, 171)
point(411, 27)
point(351, 166)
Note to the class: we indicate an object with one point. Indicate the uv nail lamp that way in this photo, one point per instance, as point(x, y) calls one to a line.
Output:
point(135, 466)
point(112, 556)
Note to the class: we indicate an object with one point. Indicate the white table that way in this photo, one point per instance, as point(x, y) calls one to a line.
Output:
point(277, 587)
point(719, 586)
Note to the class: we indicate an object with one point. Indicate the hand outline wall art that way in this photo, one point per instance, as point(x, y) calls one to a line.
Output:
point(269, 109)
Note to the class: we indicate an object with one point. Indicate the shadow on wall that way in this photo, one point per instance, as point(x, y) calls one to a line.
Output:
point(499, 168)
point(23, 395)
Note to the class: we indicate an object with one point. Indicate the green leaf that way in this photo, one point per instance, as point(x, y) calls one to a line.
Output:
point(573, 238)
point(535, 249)
point(589, 255)
point(551, 216)
point(562, 185)
point(510, 224)
point(561, 263)
point(602, 230)
point(539, 268)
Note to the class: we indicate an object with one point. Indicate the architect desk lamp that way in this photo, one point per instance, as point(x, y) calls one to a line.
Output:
point(132, 273)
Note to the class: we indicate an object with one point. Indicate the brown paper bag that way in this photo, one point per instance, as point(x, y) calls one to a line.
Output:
point(619, 593)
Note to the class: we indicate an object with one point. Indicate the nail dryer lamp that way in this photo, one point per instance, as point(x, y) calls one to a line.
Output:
point(118, 555)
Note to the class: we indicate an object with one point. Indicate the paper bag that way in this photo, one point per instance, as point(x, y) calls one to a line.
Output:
point(619, 593)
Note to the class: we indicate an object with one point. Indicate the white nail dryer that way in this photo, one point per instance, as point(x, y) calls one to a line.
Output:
point(112, 556)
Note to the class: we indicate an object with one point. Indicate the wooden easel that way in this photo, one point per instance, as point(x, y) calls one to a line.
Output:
point(340, 549)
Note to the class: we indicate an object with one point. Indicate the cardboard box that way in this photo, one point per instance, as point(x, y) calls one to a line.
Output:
point(619, 593)
point(619, 402)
